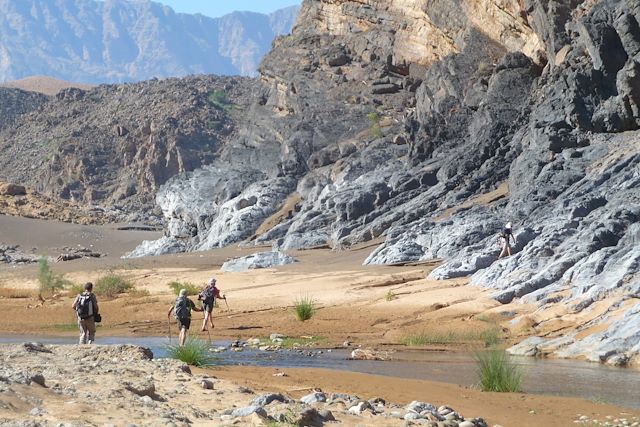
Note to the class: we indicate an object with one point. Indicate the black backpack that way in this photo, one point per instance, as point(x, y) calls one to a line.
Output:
point(208, 294)
point(84, 308)
point(182, 308)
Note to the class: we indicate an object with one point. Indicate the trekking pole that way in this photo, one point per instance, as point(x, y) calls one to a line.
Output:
point(169, 329)
point(225, 301)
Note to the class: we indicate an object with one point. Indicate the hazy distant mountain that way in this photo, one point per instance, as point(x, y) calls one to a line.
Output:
point(118, 40)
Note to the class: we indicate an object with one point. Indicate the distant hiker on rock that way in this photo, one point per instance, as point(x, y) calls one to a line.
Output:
point(183, 307)
point(208, 297)
point(505, 238)
point(86, 307)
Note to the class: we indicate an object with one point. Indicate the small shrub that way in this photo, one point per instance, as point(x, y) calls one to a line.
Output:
point(390, 296)
point(305, 308)
point(375, 130)
point(112, 285)
point(190, 287)
point(497, 372)
point(491, 337)
point(195, 352)
point(218, 99)
point(49, 282)
point(428, 338)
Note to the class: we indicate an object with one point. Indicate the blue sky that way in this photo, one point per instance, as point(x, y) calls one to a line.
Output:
point(215, 8)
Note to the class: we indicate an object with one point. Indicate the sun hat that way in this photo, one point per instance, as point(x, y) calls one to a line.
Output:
point(211, 281)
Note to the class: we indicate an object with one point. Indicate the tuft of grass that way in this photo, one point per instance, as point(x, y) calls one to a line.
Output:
point(430, 337)
point(490, 337)
point(218, 99)
point(375, 130)
point(15, 293)
point(290, 342)
point(195, 352)
point(305, 308)
point(497, 372)
point(390, 296)
point(48, 281)
point(190, 287)
point(112, 285)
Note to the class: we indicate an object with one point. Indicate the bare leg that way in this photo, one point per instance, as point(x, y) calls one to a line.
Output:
point(183, 335)
point(503, 252)
point(204, 322)
point(211, 320)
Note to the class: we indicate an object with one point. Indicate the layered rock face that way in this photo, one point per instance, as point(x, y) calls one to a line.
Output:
point(431, 125)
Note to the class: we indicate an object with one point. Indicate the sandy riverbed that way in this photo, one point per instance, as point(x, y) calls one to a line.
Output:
point(368, 306)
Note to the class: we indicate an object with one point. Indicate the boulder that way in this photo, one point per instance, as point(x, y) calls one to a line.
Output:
point(7, 189)
point(257, 260)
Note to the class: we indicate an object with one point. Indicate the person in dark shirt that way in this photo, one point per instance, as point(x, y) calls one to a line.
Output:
point(182, 308)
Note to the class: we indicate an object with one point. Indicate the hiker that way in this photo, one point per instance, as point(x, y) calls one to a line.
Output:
point(506, 237)
point(208, 297)
point(183, 307)
point(86, 307)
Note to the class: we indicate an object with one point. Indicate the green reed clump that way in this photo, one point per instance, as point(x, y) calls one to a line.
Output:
point(112, 285)
point(48, 281)
point(190, 287)
point(194, 352)
point(304, 308)
point(497, 372)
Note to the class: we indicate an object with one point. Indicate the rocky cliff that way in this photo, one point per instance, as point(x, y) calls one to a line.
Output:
point(120, 40)
point(432, 124)
point(113, 146)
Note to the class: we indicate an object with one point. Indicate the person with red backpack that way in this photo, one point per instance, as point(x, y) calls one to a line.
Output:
point(208, 297)
point(86, 307)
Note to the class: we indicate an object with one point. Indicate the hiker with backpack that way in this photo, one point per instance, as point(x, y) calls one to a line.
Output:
point(505, 238)
point(208, 297)
point(182, 308)
point(87, 310)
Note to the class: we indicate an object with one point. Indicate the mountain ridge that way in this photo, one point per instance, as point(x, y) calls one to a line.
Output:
point(119, 40)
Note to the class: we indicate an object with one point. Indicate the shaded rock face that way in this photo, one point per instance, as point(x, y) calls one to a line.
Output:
point(119, 40)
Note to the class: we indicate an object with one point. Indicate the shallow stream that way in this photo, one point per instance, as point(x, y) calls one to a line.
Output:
point(573, 378)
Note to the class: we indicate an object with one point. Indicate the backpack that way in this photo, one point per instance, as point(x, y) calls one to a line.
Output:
point(182, 308)
point(84, 307)
point(209, 293)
